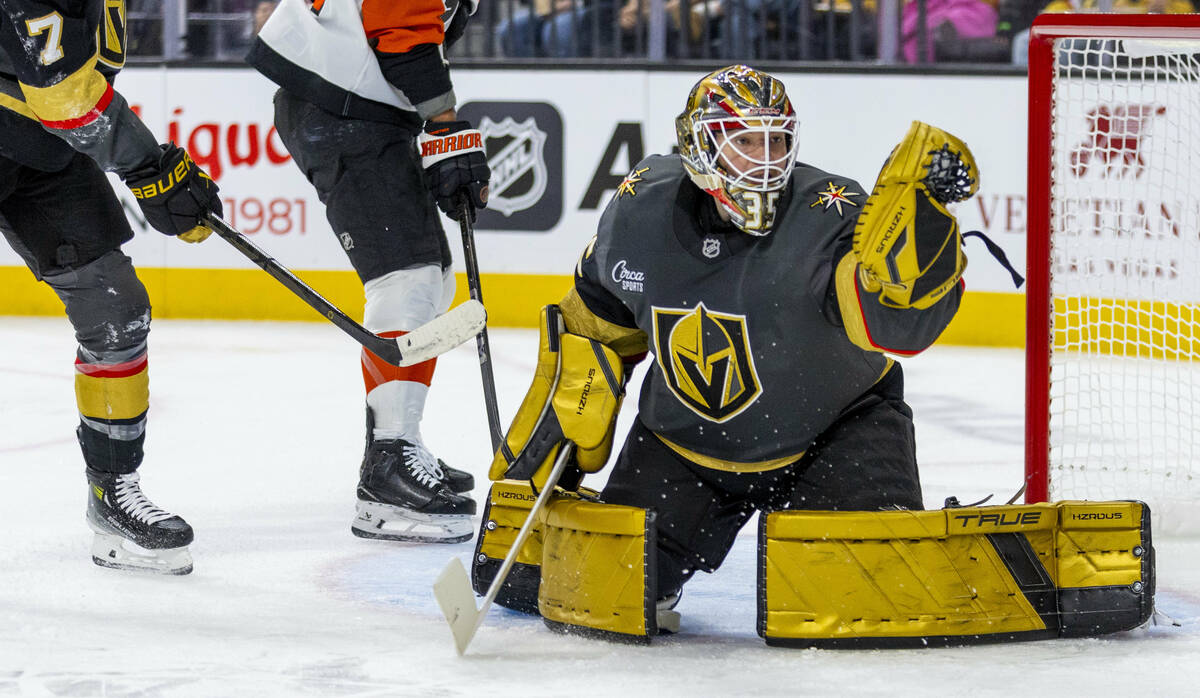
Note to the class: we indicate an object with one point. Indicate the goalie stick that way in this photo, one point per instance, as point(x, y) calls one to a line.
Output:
point(453, 587)
point(435, 337)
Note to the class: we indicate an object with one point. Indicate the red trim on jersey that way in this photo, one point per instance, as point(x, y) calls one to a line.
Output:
point(88, 117)
point(867, 327)
point(376, 371)
point(122, 370)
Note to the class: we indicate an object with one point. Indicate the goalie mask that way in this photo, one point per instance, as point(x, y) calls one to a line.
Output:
point(737, 138)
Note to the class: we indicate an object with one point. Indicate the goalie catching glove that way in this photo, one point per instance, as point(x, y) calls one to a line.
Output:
point(908, 245)
point(575, 396)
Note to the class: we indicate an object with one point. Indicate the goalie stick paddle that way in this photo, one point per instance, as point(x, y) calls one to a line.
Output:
point(453, 588)
point(435, 337)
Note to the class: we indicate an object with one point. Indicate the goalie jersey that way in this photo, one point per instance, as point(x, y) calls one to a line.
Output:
point(57, 64)
point(758, 343)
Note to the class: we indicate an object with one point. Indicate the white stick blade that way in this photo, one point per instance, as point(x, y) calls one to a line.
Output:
point(457, 601)
point(442, 333)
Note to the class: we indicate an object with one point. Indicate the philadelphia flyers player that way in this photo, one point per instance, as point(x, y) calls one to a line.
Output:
point(366, 108)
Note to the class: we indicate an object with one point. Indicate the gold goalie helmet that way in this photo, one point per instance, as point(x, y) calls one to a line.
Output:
point(737, 138)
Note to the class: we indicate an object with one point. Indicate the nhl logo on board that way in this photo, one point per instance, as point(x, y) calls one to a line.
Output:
point(520, 160)
point(523, 143)
point(711, 247)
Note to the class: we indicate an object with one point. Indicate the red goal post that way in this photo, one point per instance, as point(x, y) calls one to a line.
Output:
point(1113, 261)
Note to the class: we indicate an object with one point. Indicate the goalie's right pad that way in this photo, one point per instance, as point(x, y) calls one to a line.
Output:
point(576, 393)
point(599, 570)
point(954, 576)
point(908, 246)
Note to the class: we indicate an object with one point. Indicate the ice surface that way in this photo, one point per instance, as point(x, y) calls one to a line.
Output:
point(255, 436)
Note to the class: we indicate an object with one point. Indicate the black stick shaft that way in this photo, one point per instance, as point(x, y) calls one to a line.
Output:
point(481, 339)
point(384, 348)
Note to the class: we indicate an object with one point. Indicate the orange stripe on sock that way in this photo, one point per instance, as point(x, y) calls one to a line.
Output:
point(376, 371)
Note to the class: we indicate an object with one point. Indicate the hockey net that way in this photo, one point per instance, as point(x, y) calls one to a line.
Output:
point(1113, 316)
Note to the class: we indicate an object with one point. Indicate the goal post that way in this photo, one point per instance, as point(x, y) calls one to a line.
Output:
point(1113, 263)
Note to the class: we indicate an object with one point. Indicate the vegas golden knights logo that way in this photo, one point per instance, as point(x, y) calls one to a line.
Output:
point(706, 361)
point(111, 38)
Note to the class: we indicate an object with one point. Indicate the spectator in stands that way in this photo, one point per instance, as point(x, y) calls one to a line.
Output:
point(691, 26)
point(553, 28)
point(947, 22)
point(1009, 44)
point(754, 29)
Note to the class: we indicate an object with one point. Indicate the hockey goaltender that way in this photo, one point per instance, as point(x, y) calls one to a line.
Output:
point(772, 296)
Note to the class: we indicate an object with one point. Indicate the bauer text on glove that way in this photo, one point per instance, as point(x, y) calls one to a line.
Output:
point(176, 195)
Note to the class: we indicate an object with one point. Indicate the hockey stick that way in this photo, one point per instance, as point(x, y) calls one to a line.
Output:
point(465, 215)
point(435, 337)
point(453, 588)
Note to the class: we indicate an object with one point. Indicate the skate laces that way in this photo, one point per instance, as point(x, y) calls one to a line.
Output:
point(424, 467)
point(133, 501)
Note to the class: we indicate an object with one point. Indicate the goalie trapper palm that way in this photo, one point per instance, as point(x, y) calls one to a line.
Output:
point(908, 245)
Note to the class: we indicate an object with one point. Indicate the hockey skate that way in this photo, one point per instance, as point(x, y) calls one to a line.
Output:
point(459, 481)
point(665, 614)
point(403, 496)
point(131, 532)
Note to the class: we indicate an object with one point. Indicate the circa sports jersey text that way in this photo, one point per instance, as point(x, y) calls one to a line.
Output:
point(630, 279)
point(706, 360)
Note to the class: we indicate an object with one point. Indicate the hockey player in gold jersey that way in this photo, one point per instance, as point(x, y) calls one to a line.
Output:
point(772, 297)
point(736, 267)
point(62, 125)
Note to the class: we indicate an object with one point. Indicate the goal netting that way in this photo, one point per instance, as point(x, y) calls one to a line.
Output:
point(1118, 302)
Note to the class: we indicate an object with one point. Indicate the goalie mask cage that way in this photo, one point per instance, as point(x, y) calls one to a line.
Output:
point(1113, 263)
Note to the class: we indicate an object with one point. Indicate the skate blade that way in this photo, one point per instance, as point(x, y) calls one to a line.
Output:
point(118, 553)
point(387, 522)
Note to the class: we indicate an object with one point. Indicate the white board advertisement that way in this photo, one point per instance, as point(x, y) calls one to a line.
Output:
point(559, 143)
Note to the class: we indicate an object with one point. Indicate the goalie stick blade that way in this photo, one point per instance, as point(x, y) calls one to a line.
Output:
point(457, 601)
point(442, 333)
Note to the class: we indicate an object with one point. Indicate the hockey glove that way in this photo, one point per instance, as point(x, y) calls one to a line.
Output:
point(908, 244)
point(176, 195)
point(575, 396)
point(454, 162)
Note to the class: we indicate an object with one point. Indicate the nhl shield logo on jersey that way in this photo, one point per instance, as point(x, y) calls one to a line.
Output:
point(706, 360)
